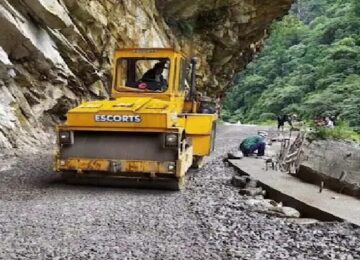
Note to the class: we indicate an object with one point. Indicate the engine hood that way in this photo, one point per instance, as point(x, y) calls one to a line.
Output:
point(126, 104)
point(127, 112)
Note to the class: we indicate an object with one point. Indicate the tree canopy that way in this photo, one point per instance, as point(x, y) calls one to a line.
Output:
point(310, 66)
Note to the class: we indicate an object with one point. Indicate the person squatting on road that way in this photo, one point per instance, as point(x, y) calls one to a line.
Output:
point(254, 143)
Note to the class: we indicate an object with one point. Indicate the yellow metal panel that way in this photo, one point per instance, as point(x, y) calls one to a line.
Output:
point(120, 104)
point(103, 165)
point(133, 104)
point(83, 164)
point(201, 145)
point(147, 120)
point(156, 105)
point(91, 105)
point(188, 106)
point(124, 104)
point(199, 123)
point(181, 122)
point(121, 129)
point(148, 52)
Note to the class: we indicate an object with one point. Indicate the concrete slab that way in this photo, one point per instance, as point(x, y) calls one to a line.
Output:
point(327, 205)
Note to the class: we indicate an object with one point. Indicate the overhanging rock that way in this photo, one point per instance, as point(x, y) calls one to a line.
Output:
point(59, 48)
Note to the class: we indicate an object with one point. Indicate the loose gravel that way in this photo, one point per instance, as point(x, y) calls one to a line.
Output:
point(42, 218)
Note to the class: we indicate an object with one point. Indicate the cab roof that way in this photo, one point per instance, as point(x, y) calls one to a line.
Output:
point(151, 50)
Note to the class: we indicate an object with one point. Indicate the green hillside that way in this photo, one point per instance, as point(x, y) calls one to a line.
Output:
point(310, 66)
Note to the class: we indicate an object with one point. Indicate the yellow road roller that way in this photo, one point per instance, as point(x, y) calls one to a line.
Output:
point(152, 130)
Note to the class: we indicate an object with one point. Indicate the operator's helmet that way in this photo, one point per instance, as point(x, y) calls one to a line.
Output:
point(160, 65)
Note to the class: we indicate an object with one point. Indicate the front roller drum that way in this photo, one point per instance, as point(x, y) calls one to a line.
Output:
point(94, 179)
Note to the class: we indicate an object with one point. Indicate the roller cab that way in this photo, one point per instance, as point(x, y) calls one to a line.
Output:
point(154, 127)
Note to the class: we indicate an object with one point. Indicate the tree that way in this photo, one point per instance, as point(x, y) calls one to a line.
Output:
point(310, 65)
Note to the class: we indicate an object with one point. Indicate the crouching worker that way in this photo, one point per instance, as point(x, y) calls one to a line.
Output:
point(254, 143)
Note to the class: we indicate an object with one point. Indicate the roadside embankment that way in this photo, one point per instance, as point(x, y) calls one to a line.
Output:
point(330, 168)
point(333, 164)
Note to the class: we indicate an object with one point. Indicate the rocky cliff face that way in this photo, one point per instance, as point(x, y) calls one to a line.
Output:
point(225, 34)
point(56, 53)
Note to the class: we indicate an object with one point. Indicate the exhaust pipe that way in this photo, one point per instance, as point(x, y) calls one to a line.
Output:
point(193, 78)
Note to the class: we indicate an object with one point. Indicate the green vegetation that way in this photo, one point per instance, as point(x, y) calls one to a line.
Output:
point(340, 132)
point(310, 66)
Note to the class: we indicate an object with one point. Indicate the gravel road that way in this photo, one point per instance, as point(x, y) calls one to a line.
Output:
point(42, 218)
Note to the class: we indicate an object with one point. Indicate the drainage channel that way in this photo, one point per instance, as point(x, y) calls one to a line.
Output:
point(306, 209)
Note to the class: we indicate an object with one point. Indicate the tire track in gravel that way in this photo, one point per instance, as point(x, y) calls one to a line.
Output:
point(41, 218)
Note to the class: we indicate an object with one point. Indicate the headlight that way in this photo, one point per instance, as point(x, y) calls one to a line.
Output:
point(171, 167)
point(66, 137)
point(171, 140)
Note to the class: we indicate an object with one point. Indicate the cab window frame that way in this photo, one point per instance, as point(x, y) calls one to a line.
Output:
point(121, 77)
